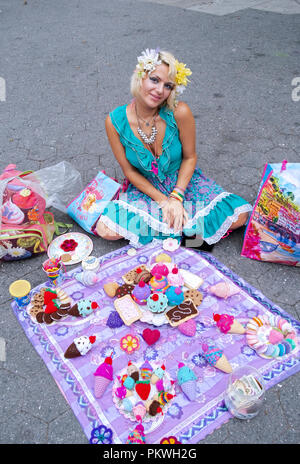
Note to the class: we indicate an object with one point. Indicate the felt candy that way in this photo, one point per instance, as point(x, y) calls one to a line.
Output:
point(103, 377)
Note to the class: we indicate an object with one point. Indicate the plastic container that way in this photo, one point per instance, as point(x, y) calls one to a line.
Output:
point(245, 392)
point(20, 290)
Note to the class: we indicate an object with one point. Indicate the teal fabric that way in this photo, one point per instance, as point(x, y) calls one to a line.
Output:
point(141, 158)
point(136, 217)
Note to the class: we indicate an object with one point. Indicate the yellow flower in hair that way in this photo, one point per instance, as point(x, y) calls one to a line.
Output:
point(182, 73)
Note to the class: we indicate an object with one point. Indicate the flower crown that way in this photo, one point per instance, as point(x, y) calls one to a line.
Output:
point(149, 60)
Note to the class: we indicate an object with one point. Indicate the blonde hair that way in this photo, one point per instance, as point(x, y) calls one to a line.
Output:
point(168, 59)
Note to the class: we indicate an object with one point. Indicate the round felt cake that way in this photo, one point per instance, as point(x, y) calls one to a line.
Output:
point(271, 336)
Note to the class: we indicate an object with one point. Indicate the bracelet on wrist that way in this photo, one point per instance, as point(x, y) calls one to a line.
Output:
point(179, 189)
point(176, 196)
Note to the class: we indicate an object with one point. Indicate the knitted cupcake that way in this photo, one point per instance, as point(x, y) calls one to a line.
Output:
point(175, 295)
point(160, 269)
point(157, 302)
point(175, 278)
point(141, 292)
point(158, 283)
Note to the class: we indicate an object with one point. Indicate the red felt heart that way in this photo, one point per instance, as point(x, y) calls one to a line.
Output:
point(151, 336)
point(143, 389)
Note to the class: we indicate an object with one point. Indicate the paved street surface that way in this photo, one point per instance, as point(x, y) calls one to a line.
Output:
point(63, 66)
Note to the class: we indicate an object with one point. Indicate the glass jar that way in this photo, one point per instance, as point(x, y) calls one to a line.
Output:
point(245, 392)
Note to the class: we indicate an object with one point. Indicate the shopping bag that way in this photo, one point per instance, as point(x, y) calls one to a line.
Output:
point(273, 230)
point(88, 206)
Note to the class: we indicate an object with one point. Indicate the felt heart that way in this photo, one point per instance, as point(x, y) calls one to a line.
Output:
point(151, 336)
point(275, 336)
point(188, 328)
point(143, 389)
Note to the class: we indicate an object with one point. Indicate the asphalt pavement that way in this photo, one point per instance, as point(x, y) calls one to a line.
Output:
point(63, 66)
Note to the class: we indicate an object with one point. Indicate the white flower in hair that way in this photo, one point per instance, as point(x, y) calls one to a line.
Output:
point(148, 60)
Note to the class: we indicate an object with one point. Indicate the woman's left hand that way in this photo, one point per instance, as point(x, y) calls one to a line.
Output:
point(174, 214)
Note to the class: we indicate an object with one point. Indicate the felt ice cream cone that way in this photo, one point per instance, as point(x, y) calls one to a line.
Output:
point(133, 371)
point(146, 370)
point(187, 381)
point(103, 377)
point(163, 397)
point(137, 436)
point(83, 308)
point(157, 374)
point(228, 324)
point(139, 411)
point(153, 407)
point(216, 358)
point(80, 346)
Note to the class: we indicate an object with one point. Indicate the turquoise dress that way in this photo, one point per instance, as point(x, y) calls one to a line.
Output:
point(136, 217)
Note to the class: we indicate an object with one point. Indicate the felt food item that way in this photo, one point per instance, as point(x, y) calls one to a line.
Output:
point(83, 308)
point(153, 407)
point(128, 310)
point(216, 358)
point(69, 245)
point(131, 276)
point(140, 293)
point(181, 313)
point(191, 280)
point(188, 327)
point(139, 410)
point(194, 295)
point(114, 321)
point(163, 397)
point(103, 377)
point(224, 289)
point(160, 385)
point(143, 388)
point(87, 278)
point(127, 404)
point(175, 278)
point(163, 258)
point(125, 289)
point(174, 295)
point(271, 336)
point(129, 382)
point(187, 381)
point(137, 436)
point(129, 343)
point(228, 324)
point(160, 269)
point(11, 213)
point(151, 336)
point(169, 441)
point(133, 371)
point(157, 302)
point(110, 289)
point(122, 392)
point(48, 305)
point(158, 374)
point(142, 274)
point(80, 346)
point(146, 370)
point(158, 283)
point(170, 244)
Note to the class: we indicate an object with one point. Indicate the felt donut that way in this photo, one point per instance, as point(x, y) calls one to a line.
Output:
point(271, 336)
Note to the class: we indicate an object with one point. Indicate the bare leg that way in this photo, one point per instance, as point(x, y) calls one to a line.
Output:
point(242, 219)
point(105, 232)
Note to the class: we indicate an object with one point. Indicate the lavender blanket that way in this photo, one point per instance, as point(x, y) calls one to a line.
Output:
point(189, 422)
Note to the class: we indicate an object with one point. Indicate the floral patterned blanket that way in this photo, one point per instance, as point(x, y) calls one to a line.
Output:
point(188, 421)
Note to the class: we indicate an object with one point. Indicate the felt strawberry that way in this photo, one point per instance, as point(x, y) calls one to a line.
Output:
point(143, 389)
point(49, 295)
point(51, 307)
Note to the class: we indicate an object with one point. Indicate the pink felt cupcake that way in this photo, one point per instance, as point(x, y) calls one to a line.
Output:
point(175, 278)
